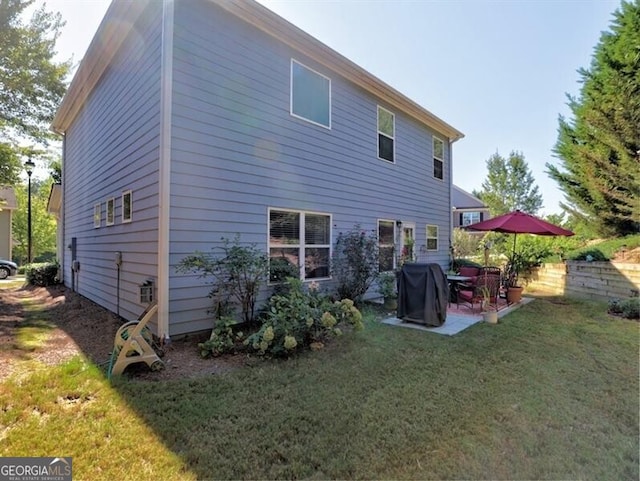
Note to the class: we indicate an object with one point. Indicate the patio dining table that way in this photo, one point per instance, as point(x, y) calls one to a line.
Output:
point(454, 285)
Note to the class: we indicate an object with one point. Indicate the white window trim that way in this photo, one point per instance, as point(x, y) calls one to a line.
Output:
point(468, 214)
point(127, 192)
point(113, 220)
point(380, 107)
point(437, 237)
point(328, 127)
point(403, 238)
point(438, 158)
point(301, 245)
point(97, 215)
point(393, 222)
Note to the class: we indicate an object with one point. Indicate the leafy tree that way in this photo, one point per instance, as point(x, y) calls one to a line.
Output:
point(43, 224)
point(599, 148)
point(509, 185)
point(10, 165)
point(31, 82)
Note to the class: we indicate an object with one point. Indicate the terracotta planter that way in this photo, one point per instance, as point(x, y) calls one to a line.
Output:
point(514, 294)
point(490, 317)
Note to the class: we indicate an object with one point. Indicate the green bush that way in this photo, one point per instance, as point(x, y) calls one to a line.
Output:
point(592, 255)
point(223, 339)
point(458, 263)
point(300, 318)
point(42, 274)
point(237, 274)
point(355, 263)
point(631, 308)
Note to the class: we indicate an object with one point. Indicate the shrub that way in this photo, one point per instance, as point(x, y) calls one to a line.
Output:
point(387, 285)
point(223, 339)
point(298, 319)
point(42, 274)
point(591, 255)
point(631, 308)
point(237, 275)
point(458, 263)
point(355, 263)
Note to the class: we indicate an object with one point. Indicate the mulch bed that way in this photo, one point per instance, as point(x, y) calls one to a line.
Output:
point(79, 326)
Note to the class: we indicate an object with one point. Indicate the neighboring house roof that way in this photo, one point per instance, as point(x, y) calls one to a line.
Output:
point(7, 198)
point(461, 199)
point(121, 16)
point(55, 200)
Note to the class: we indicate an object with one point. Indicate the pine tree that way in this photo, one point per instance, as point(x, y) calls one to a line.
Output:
point(599, 148)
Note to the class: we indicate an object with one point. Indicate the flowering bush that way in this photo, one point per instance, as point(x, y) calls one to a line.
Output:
point(300, 318)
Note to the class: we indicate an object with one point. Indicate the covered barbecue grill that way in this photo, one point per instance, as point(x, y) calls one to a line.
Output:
point(423, 294)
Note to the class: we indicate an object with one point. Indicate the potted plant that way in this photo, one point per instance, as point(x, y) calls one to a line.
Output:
point(514, 291)
point(387, 289)
point(489, 314)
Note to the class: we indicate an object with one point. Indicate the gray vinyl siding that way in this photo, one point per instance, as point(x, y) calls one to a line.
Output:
point(236, 151)
point(112, 146)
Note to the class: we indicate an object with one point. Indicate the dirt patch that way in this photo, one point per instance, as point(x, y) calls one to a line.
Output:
point(76, 325)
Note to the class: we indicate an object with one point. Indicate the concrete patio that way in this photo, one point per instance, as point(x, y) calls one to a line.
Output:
point(458, 319)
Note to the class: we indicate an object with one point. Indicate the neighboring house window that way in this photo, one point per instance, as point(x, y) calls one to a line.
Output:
point(310, 95)
point(97, 215)
point(386, 236)
point(386, 134)
point(438, 158)
point(126, 206)
point(432, 237)
point(469, 218)
point(296, 237)
point(111, 209)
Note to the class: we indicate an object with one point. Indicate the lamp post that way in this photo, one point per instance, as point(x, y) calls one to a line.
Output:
point(29, 166)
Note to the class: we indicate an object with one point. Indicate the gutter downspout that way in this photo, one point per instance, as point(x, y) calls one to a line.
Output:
point(451, 201)
point(164, 169)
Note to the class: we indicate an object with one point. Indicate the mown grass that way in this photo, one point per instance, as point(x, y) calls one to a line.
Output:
point(549, 393)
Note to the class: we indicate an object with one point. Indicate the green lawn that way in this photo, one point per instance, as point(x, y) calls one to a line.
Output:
point(549, 393)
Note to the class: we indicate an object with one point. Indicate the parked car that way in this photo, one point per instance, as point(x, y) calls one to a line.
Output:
point(7, 268)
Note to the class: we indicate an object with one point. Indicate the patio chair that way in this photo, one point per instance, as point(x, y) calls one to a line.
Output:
point(475, 293)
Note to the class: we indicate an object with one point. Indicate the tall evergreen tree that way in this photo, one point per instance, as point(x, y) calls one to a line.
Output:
point(599, 148)
point(509, 185)
point(31, 82)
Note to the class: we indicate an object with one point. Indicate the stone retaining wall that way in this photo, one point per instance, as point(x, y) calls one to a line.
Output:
point(604, 280)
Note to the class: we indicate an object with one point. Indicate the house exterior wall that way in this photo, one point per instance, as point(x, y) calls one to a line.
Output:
point(236, 151)
point(111, 147)
point(5, 234)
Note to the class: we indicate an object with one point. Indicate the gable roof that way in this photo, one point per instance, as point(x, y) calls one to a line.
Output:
point(121, 17)
point(7, 198)
point(461, 199)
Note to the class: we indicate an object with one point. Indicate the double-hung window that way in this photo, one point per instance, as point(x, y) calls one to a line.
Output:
point(97, 215)
point(438, 158)
point(310, 95)
point(469, 218)
point(111, 211)
point(386, 243)
point(432, 237)
point(386, 134)
point(299, 241)
point(126, 207)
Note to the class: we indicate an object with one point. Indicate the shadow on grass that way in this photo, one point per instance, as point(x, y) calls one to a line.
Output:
point(538, 396)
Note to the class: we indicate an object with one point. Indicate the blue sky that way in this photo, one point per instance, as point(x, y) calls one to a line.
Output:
point(499, 71)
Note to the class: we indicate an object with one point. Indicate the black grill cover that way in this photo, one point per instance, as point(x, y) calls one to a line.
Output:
point(423, 294)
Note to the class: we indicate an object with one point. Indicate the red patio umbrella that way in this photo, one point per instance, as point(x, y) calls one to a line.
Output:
point(518, 222)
